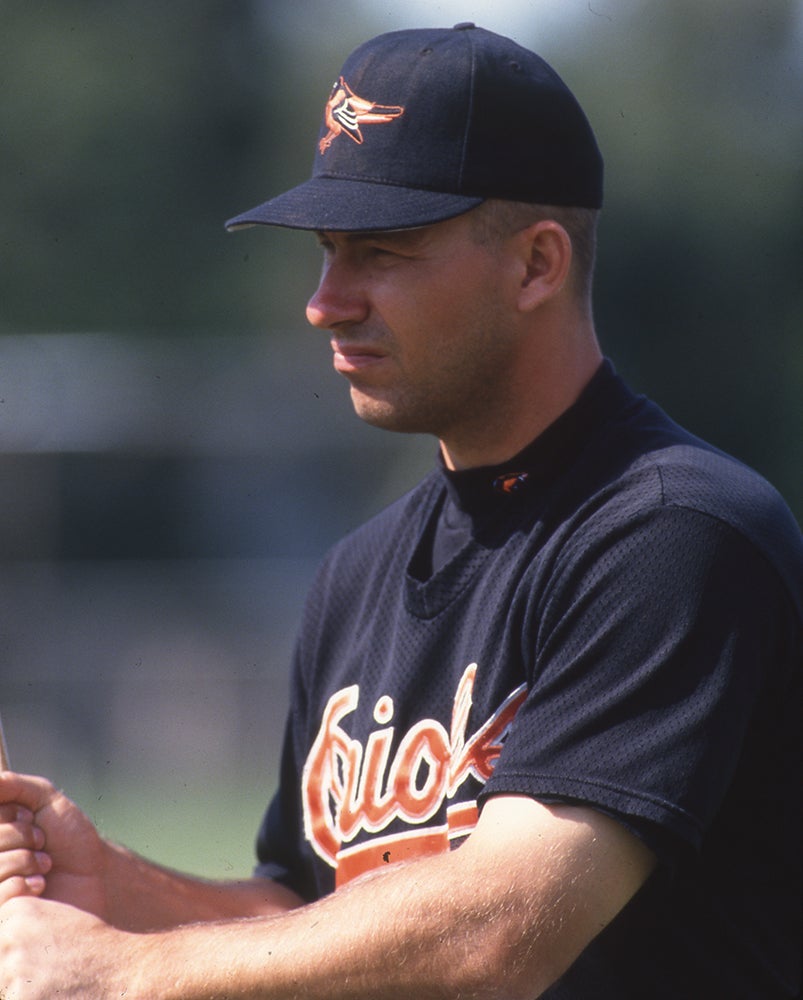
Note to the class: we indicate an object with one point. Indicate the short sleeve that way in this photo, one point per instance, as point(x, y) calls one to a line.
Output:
point(649, 652)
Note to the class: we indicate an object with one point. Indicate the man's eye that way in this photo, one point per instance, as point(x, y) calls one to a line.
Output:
point(383, 251)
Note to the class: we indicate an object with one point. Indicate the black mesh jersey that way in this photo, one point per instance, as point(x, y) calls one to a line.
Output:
point(614, 618)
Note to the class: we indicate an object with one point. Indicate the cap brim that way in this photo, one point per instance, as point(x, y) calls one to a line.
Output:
point(333, 204)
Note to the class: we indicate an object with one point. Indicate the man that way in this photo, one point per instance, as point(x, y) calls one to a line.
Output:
point(544, 736)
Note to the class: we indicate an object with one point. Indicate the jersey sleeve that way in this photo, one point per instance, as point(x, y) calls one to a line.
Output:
point(650, 649)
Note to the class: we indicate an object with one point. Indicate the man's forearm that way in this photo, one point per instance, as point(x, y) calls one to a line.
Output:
point(499, 918)
point(142, 896)
point(474, 923)
point(409, 931)
point(385, 938)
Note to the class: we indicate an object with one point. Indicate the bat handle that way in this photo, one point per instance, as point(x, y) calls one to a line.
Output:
point(4, 762)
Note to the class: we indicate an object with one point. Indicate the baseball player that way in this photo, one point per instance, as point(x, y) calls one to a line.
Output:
point(544, 737)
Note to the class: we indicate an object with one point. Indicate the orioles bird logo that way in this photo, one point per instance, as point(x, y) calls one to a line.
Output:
point(346, 112)
point(512, 482)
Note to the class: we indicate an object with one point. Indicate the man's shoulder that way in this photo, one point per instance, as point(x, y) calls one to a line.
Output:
point(688, 472)
point(643, 451)
point(696, 475)
point(656, 467)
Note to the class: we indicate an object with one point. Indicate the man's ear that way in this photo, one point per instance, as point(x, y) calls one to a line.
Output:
point(546, 256)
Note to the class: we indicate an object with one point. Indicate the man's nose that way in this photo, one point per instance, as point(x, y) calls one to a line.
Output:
point(339, 299)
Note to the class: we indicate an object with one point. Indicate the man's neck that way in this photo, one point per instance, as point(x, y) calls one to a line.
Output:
point(529, 409)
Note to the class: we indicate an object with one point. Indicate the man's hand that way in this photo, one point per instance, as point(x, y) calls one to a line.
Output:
point(49, 948)
point(47, 845)
point(23, 863)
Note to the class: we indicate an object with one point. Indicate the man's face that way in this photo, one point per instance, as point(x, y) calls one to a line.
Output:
point(421, 326)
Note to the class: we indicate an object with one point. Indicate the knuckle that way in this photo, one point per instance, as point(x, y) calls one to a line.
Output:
point(31, 836)
point(13, 888)
point(16, 835)
point(17, 864)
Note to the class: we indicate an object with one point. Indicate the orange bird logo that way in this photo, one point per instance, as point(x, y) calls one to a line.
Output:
point(346, 113)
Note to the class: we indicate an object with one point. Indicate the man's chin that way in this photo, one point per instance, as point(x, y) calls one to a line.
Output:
point(383, 414)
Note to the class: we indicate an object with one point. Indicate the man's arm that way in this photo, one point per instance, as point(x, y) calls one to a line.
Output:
point(501, 917)
point(43, 835)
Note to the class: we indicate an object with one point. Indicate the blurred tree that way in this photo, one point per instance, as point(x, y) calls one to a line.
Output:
point(129, 132)
point(699, 294)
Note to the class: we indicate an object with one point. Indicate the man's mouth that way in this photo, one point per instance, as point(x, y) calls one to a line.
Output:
point(355, 357)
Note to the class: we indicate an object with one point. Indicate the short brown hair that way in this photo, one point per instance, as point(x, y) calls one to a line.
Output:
point(496, 219)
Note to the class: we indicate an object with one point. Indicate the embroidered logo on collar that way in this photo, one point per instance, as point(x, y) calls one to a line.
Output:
point(346, 112)
point(511, 482)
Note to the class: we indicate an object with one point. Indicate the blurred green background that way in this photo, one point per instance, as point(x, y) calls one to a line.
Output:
point(175, 453)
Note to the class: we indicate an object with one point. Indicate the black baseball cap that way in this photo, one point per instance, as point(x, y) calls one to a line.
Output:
point(425, 124)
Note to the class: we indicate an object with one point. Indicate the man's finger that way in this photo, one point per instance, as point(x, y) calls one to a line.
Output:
point(23, 863)
point(21, 834)
point(10, 812)
point(21, 885)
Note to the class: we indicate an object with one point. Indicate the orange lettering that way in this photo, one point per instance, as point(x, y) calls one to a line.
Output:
point(347, 789)
point(420, 771)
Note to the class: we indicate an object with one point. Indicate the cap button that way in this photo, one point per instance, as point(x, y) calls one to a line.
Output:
point(464, 26)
